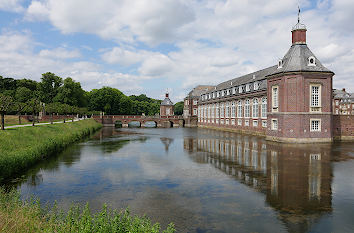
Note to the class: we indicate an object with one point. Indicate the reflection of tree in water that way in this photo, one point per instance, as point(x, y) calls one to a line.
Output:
point(296, 180)
point(33, 177)
point(166, 142)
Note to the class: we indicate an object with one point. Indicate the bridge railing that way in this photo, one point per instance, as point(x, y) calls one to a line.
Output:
point(136, 117)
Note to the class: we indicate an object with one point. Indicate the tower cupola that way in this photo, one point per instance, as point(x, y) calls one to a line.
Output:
point(299, 32)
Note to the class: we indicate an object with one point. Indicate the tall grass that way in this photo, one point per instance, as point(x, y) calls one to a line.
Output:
point(22, 147)
point(29, 216)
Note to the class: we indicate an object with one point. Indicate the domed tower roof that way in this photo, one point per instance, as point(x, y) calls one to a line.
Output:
point(299, 58)
point(166, 101)
point(299, 26)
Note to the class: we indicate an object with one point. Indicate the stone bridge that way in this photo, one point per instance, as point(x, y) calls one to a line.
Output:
point(160, 121)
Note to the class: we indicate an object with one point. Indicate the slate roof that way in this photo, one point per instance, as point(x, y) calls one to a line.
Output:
point(199, 90)
point(342, 94)
point(259, 75)
point(166, 101)
point(297, 59)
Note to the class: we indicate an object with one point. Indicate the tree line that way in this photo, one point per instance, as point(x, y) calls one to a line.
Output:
point(54, 95)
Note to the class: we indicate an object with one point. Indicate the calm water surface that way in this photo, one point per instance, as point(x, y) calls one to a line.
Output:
point(204, 180)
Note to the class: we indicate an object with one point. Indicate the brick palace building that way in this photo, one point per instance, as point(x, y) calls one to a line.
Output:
point(287, 102)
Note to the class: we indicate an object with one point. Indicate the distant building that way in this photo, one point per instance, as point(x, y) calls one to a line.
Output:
point(343, 102)
point(191, 101)
point(166, 107)
point(287, 102)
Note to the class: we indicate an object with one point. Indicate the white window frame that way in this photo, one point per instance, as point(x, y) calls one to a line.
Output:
point(248, 87)
point(255, 123)
point(247, 123)
point(233, 109)
point(239, 122)
point(312, 129)
point(264, 124)
point(239, 109)
point(247, 108)
point(275, 124)
point(255, 108)
point(275, 98)
point(315, 106)
point(264, 107)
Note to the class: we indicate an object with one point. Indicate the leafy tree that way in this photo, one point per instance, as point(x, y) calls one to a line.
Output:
point(22, 96)
point(179, 108)
point(5, 104)
point(49, 86)
point(28, 83)
point(52, 108)
point(7, 84)
point(34, 107)
point(109, 100)
point(71, 93)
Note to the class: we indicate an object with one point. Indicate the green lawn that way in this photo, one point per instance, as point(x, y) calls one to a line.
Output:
point(22, 147)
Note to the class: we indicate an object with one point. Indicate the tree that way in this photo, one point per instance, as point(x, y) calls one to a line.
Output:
point(71, 93)
point(49, 86)
point(108, 100)
point(34, 106)
point(22, 96)
point(52, 108)
point(5, 104)
point(179, 108)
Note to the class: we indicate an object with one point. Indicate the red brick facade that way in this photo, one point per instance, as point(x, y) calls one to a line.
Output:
point(298, 100)
point(294, 114)
point(343, 127)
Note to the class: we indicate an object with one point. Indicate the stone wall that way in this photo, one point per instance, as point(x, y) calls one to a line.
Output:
point(343, 127)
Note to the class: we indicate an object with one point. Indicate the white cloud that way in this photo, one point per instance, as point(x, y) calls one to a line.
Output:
point(214, 40)
point(60, 53)
point(37, 11)
point(18, 59)
point(12, 5)
point(151, 21)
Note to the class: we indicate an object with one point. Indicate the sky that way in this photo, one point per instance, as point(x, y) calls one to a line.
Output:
point(150, 46)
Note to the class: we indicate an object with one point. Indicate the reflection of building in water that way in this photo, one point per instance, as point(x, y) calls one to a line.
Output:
point(296, 181)
point(166, 142)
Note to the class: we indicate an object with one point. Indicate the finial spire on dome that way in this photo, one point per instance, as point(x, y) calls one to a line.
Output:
point(298, 14)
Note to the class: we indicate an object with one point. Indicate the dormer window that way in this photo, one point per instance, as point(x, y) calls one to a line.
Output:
point(280, 64)
point(255, 86)
point(248, 87)
point(312, 61)
point(240, 89)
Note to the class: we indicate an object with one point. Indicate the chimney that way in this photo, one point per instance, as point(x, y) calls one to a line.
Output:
point(343, 89)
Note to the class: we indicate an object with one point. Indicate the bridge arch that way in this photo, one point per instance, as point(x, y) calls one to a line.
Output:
point(134, 124)
point(118, 124)
point(150, 124)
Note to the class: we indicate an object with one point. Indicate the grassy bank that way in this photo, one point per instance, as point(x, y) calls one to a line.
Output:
point(22, 147)
point(29, 216)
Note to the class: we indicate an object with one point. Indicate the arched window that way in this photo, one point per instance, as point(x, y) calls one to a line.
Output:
point(255, 108)
point(264, 107)
point(240, 110)
point(247, 108)
point(233, 110)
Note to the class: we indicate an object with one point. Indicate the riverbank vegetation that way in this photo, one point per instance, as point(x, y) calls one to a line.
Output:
point(28, 216)
point(22, 147)
point(54, 95)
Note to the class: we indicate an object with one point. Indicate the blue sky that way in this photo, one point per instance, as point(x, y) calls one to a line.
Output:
point(147, 47)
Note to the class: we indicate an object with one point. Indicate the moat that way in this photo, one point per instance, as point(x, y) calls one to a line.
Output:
point(204, 180)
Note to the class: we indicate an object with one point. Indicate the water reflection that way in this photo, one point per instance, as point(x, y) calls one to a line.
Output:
point(296, 180)
point(203, 180)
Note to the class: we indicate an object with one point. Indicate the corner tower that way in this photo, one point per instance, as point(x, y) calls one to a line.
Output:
point(300, 95)
point(166, 107)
